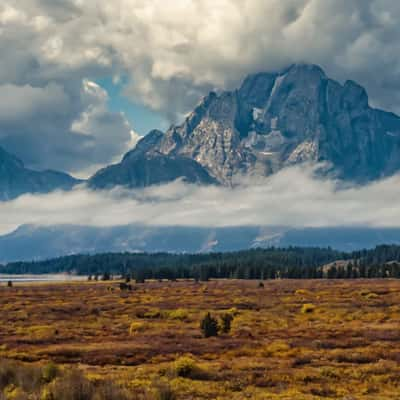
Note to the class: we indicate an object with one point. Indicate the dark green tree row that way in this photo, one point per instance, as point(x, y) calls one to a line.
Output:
point(271, 263)
point(240, 264)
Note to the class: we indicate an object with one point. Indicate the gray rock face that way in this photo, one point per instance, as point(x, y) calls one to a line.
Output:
point(294, 116)
point(145, 166)
point(15, 179)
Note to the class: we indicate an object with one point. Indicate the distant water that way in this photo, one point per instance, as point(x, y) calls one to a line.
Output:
point(41, 278)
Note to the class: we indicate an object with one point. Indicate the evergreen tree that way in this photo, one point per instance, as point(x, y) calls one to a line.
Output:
point(209, 326)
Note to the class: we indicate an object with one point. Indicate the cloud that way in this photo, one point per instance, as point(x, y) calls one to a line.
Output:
point(70, 128)
point(293, 197)
point(52, 115)
point(174, 53)
point(171, 53)
point(23, 102)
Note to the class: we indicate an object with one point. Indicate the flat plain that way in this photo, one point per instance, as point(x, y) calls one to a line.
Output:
point(289, 339)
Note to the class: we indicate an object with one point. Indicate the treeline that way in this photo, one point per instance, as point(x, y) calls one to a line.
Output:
point(271, 263)
point(240, 264)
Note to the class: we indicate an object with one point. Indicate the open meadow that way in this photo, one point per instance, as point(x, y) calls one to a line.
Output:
point(283, 339)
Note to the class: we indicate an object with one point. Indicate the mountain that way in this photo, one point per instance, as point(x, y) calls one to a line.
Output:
point(272, 121)
point(31, 242)
point(15, 179)
point(145, 166)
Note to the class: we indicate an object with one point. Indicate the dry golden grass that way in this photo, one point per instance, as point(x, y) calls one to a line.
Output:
point(289, 339)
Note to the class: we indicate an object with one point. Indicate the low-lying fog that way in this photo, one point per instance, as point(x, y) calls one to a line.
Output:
point(293, 197)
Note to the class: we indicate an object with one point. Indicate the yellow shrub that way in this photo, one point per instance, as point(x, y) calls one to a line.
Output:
point(153, 313)
point(15, 394)
point(233, 311)
point(180, 314)
point(136, 326)
point(46, 394)
point(308, 308)
point(183, 366)
point(186, 367)
point(40, 332)
point(277, 347)
point(302, 292)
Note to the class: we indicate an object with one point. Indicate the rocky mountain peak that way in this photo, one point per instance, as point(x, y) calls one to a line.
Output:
point(275, 120)
point(283, 118)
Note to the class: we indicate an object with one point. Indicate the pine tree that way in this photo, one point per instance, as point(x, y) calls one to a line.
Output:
point(209, 326)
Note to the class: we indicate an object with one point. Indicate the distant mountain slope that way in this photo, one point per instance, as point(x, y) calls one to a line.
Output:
point(38, 243)
point(15, 179)
point(273, 120)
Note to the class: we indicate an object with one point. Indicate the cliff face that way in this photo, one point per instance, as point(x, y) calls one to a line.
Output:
point(298, 115)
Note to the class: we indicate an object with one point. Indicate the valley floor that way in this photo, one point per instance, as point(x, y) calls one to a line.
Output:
point(303, 339)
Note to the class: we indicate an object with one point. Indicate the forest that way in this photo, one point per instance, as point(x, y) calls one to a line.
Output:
point(271, 263)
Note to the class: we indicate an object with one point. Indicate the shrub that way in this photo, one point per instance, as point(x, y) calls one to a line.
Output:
point(209, 326)
point(277, 347)
point(226, 322)
point(260, 284)
point(233, 311)
point(136, 326)
point(151, 314)
point(163, 391)
point(7, 374)
point(184, 367)
point(308, 308)
point(16, 393)
point(302, 292)
point(74, 386)
point(49, 372)
point(180, 314)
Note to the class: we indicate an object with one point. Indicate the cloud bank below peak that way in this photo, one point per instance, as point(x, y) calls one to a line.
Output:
point(293, 197)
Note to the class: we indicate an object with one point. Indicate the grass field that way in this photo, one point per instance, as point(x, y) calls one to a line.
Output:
point(289, 339)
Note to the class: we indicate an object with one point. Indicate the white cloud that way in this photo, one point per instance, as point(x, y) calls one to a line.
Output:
point(174, 52)
point(293, 197)
point(68, 127)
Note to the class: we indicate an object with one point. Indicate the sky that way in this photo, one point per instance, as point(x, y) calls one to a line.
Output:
point(82, 80)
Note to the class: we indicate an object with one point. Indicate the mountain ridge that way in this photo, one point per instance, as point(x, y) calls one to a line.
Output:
point(16, 180)
point(33, 242)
